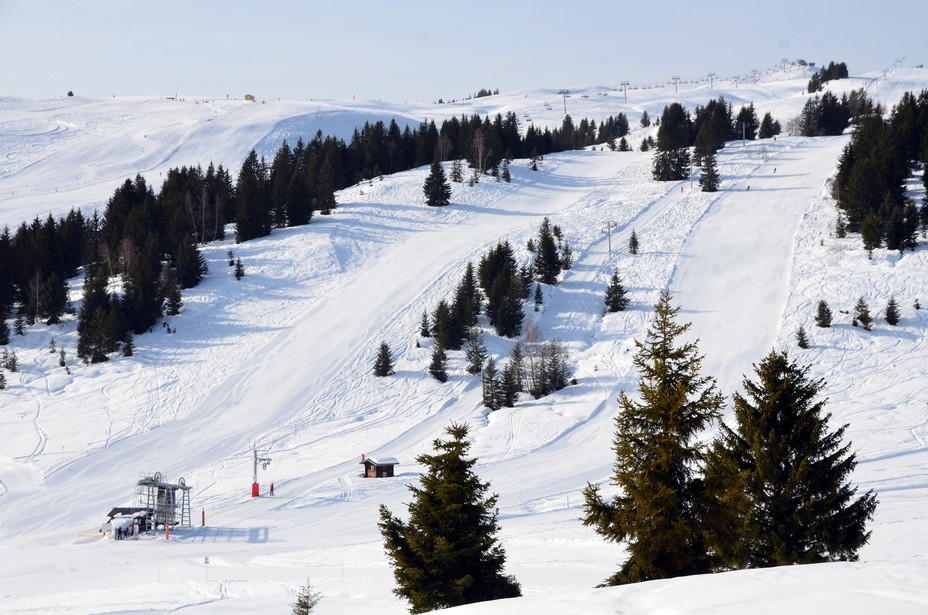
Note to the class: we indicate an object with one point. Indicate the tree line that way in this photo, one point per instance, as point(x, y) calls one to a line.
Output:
point(870, 185)
point(706, 131)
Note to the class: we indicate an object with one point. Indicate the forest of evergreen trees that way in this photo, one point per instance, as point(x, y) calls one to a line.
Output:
point(872, 172)
point(706, 131)
point(151, 240)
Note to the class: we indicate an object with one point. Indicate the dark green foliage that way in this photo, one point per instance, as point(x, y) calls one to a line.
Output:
point(18, 324)
point(712, 127)
point(768, 127)
point(457, 171)
point(616, 299)
point(504, 289)
point(2, 380)
point(539, 297)
point(862, 314)
point(172, 296)
point(802, 340)
point(439, 363)
point(659, 513)
point(252, 216)
point(823, 315)
point(645, 119)
point(383, 364)
point(830, 73)
point(142, 300)
point(61, 358)
point(779, 479)
point(548, 262)
point(633, 243)
point(189, 263)
point(709, 178)
point(4, 330)
point(424, 328)
point(491, 385)
point(128, 347)
point(239, 269)
point(9, 361)
point(306, 600)
point(671, 165)
point(507, 175)
point(892, 312)
point(436, 188)
point(871, 233)
point(509, 386)
point(824, 116)
point(231, 256)
point(447, 554)
point(475, 351)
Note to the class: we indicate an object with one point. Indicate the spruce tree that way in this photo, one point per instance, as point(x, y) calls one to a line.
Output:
point(457, 172)
point(802, 340)
point(439, 363)
point(383, 365)
point(4, 330)
point(436, 188)
point(509, 386)
point(709, 178)
point(424, 329)
point(306, 600)
point(862, 314)
point(475, 351)
point(448, 553)
point(2, 380)
point(539, 297)
point(491, 385)
point(616, 300)
point(633, 243)
point(548, 262)
point(779, 479)
point(239, 269)
point(659, 512)
point(823, 315)
point(892, 312)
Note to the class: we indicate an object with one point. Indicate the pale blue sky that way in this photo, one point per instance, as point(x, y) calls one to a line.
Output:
point(398, 50)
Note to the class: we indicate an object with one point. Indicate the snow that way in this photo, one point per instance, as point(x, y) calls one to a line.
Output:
point(281, 360)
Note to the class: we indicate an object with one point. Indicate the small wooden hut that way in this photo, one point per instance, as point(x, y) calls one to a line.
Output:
point(381, 467)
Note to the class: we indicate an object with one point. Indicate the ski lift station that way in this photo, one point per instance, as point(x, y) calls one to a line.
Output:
point(381, 467)
point(157, 504)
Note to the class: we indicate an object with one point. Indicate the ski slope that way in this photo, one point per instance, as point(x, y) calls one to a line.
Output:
point(281, 361)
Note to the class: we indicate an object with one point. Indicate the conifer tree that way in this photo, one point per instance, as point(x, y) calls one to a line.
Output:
point(2, 380)
point(823, 315)
point(779, 479)
point(383, 364)
point(633, 243)
point(892, 312)
point(539, 297)
point(438, 367)
point(18, 324)
point(507, 175)
point(862, 314)
point(475, 351)
point(548, 262)
point(306, 600)
point(4, 330)
point(457, 171)
point(491, 385)
point(436, 188)
point(447, 554)
point(802, 340)
point(709, 178)
point(508, 386)
point(616, 300)
point(424, 329)
point(659, 512)
point(239, 269)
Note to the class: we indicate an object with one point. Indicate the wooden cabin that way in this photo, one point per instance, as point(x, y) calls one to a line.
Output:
point(381, 467)
point(250, 97)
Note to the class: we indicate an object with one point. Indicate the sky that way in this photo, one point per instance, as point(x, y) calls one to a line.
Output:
point(424, 51)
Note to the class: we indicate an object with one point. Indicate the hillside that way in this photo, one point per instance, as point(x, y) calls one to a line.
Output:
point(281, 361)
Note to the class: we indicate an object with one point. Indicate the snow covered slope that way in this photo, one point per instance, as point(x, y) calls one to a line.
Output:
point(282, 360)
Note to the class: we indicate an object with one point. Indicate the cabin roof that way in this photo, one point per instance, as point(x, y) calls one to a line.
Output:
point(380, 460)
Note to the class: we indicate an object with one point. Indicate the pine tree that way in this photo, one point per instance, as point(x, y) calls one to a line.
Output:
point(475, 351)
point(436, 188)
point(2, 380)
point(633, 243)
point(4, 330)
point(871, 233)
point(892, 312)
point(439, 363)
point(424, 329)
point(231, 258)
point(779, 479)
point(507, 175)
point(709, 178)
point(539, 297)
point(509, 386)
point(616, 300)
point(823, 315)
point(61, 358)
point(862, 314)
point(658, 513)
point(548, 263)
point(457, 171)
point(383, 365)
point(802, 340)
point(18, 324)
point(306, 600)
point(239, 269)
point(447, 554)
point(128, 347)
point(491, 385)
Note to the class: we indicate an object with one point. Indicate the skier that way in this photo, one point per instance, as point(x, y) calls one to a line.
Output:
point(272, 488)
